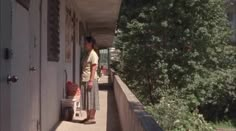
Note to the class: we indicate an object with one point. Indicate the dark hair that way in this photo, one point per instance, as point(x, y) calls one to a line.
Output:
point(91, 40)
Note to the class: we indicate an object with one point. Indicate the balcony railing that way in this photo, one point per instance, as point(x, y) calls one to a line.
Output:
point(132, 115)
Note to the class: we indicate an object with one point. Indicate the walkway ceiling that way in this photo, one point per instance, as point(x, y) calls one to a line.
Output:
point(101, 17)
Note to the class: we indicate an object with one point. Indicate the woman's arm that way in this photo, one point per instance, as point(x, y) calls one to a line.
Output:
point(93, 71)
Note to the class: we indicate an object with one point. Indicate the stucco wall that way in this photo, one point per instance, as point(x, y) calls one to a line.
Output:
point(69, 66)
point(52, 81)
point(53, 73)
point(49, 83)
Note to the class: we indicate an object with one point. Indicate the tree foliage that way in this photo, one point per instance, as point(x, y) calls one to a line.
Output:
point(182, 46)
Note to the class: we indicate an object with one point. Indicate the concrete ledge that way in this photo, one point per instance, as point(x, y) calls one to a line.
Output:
point(132, 115)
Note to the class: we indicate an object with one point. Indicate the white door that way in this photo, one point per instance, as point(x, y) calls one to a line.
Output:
point(24, 66)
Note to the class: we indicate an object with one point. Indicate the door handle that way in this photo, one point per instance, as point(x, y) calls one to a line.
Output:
point(12, 79)
point(32, 68)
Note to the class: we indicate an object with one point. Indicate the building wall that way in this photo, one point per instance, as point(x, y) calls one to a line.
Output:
point(69, 66)
point(50, 89)
point(54, 73)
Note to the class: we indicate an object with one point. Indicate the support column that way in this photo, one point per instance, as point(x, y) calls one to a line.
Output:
point(108, 60)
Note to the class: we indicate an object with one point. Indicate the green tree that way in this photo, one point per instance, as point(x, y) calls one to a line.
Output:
point(181, 46)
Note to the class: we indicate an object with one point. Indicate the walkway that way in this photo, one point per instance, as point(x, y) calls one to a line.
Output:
point(107, 117)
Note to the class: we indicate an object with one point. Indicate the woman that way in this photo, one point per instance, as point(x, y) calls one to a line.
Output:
point(89, 85)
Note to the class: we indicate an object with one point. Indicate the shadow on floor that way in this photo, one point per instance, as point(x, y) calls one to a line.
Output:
point(113, 121)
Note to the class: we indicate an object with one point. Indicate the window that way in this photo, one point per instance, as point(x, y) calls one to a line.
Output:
point(53, 46)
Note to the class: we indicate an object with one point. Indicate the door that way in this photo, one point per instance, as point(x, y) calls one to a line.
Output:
point(25, 67)
point(5, 42)
point(20, 90)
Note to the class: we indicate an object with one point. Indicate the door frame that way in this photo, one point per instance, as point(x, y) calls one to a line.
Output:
point(74, 21)
point(40, 62)
point(35, 13)
point(5, 42)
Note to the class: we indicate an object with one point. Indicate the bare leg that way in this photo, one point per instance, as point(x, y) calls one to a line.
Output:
point(92, 114)
point(88, 114)
point(91, 119)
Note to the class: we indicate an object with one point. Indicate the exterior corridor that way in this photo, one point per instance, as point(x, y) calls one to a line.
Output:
point(107, 118)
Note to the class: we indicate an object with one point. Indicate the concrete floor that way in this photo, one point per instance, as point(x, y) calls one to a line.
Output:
point(107, 118)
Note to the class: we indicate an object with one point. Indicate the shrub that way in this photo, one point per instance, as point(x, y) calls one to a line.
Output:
point(173, 114)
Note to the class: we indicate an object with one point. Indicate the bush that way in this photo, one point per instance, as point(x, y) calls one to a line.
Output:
point(212, 92)
point(173, 114)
